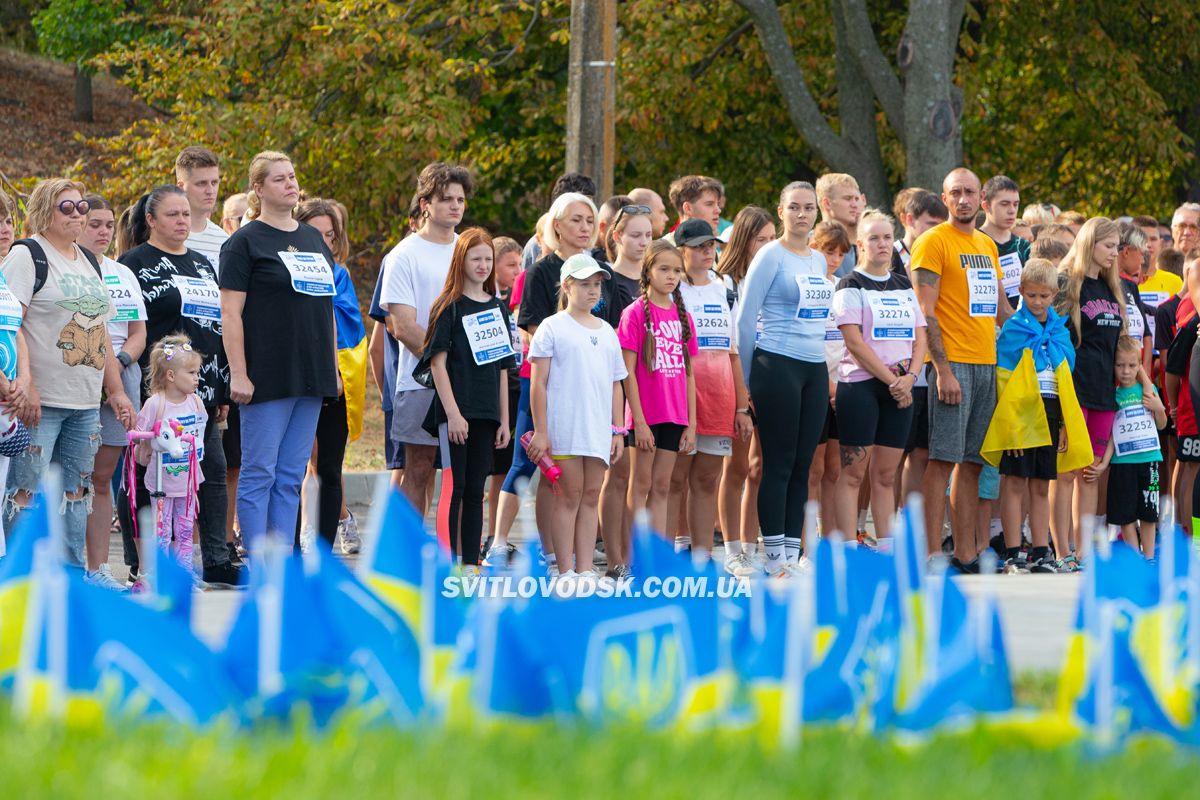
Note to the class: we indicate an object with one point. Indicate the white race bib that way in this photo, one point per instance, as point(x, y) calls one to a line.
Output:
point(516, 340)
point(1137, 325)
point(199, 298)
point(1134, 431)
point(1047, 383)
point(10, 309)
point(124, 299)
point(816, 297)
point(1010, 269)
point(982, 291)
point(832, 332)
point(893, 315)
point(713, 326)
point(311, 273)
point(489, 337)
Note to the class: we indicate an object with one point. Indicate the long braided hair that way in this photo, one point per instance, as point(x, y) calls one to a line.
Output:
point(657, 250)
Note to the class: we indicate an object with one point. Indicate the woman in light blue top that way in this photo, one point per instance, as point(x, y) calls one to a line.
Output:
point(786, 291)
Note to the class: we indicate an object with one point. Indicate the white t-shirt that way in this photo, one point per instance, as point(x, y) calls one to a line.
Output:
point(585, 362)
point(208, 243)
point(414, 274)
point(126, 295)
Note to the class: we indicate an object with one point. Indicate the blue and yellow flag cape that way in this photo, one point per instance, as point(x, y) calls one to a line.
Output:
point(1025, 347)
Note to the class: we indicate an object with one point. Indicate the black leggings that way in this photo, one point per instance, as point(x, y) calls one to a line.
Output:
point(791, 399)
point(470, 464)
point(332, 432)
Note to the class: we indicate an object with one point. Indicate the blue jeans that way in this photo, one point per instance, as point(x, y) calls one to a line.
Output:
point(72, 437)
point(277, 439)
point(521, 467)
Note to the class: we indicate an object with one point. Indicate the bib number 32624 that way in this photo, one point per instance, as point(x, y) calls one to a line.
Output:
point(310, 273)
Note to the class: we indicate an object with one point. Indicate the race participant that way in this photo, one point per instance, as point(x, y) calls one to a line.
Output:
point(1001, 198)
point(722, 410)
point(1154, 241)
point(232, 211)
point(881, 323)
point(649, 198)
point(696, 197)
point(840, 200)
point(576, 182)
point(786, 371)
point(414, 273)
point(198, 173)
point(737, 497)
point(958, 279)
point(277, 289)
point(1176, 335)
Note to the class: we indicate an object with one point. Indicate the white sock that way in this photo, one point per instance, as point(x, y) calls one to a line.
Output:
point(774, 547)
point(551, 559)
point(791, 548)
point(732, 548)
point(683, 543)
point(700, 556)
point(862, 520)
point(995, 528)
point(749, 548)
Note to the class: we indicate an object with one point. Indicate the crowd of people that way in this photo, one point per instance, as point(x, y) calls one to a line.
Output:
point(1028, 374)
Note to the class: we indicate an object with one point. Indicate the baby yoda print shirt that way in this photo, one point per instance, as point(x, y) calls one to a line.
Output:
point(64, 325)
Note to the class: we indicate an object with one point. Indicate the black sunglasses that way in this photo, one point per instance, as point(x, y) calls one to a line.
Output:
point(67, 207)
point(630, 210)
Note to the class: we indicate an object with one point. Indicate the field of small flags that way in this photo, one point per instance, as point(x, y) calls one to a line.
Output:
point(866, 672)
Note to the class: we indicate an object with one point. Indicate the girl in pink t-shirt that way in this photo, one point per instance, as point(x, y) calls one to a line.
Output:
point(658, 338)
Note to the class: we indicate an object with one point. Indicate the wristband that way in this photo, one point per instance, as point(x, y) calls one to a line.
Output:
point(124, 358)
point(619, 431)
point(742, 411)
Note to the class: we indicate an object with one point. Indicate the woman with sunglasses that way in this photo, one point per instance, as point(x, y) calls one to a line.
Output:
point(179, 287)
point(69, 353)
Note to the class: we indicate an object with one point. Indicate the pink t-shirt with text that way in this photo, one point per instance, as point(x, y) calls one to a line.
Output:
point(663, 391)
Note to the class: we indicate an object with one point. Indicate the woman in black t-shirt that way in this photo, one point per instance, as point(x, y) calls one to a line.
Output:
point(277, 293)
point(470, 347)
point(179, 287)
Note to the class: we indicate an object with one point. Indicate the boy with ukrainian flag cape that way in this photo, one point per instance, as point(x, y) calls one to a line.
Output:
point(1037, 430)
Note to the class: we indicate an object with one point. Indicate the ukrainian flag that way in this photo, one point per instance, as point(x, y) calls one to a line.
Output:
point(16, 570)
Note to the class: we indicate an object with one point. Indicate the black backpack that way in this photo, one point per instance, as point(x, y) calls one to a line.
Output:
point(41, 266)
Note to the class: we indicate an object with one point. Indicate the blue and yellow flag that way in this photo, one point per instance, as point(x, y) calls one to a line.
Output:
point(16, 570)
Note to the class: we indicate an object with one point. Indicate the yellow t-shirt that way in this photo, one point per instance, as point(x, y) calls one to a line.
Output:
point(1162, 281)
point(963, 260)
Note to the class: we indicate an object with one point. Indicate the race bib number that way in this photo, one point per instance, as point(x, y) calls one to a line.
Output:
point(893, 316)
point(190, 424)
point(199, 298)
point(982, 292)
point(1010, 270)
point(124, 299)
point(713, 326)
point(1137, 323)
point(816, 297)
point(832, 332)
point(489, 337)
point(311, 273)
point(1134, 431)
point(516, 341)
point(1047, 383)
point(10, 309)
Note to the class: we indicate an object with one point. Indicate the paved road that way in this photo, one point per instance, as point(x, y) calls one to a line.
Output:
point(1036, 610)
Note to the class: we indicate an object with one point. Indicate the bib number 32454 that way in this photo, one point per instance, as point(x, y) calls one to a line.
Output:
point(310, 273)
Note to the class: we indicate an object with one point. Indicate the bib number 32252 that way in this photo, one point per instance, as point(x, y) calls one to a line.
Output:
point(310, 273)
point(1134, 431)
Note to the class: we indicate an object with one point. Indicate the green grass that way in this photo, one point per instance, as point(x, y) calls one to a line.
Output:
point(43, 760)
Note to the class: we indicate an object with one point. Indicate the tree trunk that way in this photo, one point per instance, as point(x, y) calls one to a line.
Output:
point(856, 118)
point(932, 103)
point(83, 96)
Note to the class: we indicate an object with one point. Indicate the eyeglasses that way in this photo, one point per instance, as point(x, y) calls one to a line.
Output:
point(630, 210)
point(68, 207)
point(169, 350)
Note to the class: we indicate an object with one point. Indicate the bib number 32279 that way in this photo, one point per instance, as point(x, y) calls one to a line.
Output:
point(310, 273)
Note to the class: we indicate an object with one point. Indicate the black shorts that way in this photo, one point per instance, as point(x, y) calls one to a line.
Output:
point(231, 438)
point(1187, 449)
point(1038, 463)
point(1132, 493)
point(666, 436)
point(876, 418)
point(918, 432)
point(830, 430)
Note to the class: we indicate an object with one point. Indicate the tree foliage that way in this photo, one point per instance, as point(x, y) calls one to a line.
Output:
point(77, 31)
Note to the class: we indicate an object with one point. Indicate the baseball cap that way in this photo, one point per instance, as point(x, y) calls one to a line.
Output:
point(580, 266)
point(693, 233)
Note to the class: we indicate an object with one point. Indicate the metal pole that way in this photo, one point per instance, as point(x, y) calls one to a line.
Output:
point(591, 92)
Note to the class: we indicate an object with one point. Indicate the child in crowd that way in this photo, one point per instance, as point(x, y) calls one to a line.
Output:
point(1034, 339)
point(469, 345)
point(575, 393)
point(173, 378)
point(658, 338)
point(1133, 453)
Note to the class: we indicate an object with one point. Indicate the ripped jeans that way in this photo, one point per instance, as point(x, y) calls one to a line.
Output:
point(70, 437)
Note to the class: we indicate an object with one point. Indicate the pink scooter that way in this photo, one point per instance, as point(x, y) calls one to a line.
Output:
point(165, 437)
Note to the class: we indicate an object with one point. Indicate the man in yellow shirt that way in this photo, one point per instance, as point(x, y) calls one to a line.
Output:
point(958, 284)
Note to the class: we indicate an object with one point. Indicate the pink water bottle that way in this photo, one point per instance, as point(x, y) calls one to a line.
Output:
point(546, 464)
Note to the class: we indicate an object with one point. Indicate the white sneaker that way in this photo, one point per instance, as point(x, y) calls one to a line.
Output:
point(499, 554)
point(564, 583)
point(470, 571)
point(588, 576)
point(103, 578)
point(308, 535)
point(738, 565)
point(348, 536)
point(804, 566)
point(789, 571)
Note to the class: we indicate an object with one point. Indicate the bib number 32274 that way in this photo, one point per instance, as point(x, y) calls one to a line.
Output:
point(310, 273)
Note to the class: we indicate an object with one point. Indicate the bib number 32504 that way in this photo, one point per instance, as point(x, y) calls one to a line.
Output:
point(310, 273)
point(488, 335)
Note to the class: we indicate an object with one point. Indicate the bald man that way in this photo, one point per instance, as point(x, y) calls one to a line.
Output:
point(642, 196)
point(958, 283)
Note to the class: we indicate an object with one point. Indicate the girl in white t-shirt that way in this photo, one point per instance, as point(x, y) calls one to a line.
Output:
point(575, 393)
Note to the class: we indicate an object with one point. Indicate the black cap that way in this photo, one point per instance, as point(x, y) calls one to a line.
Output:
point(693, 233)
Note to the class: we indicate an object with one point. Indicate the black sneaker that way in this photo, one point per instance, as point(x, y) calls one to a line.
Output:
point(1045, 564)
point(235, 557)
point(223, 576)
point(1012, 566)
point(959, 568)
